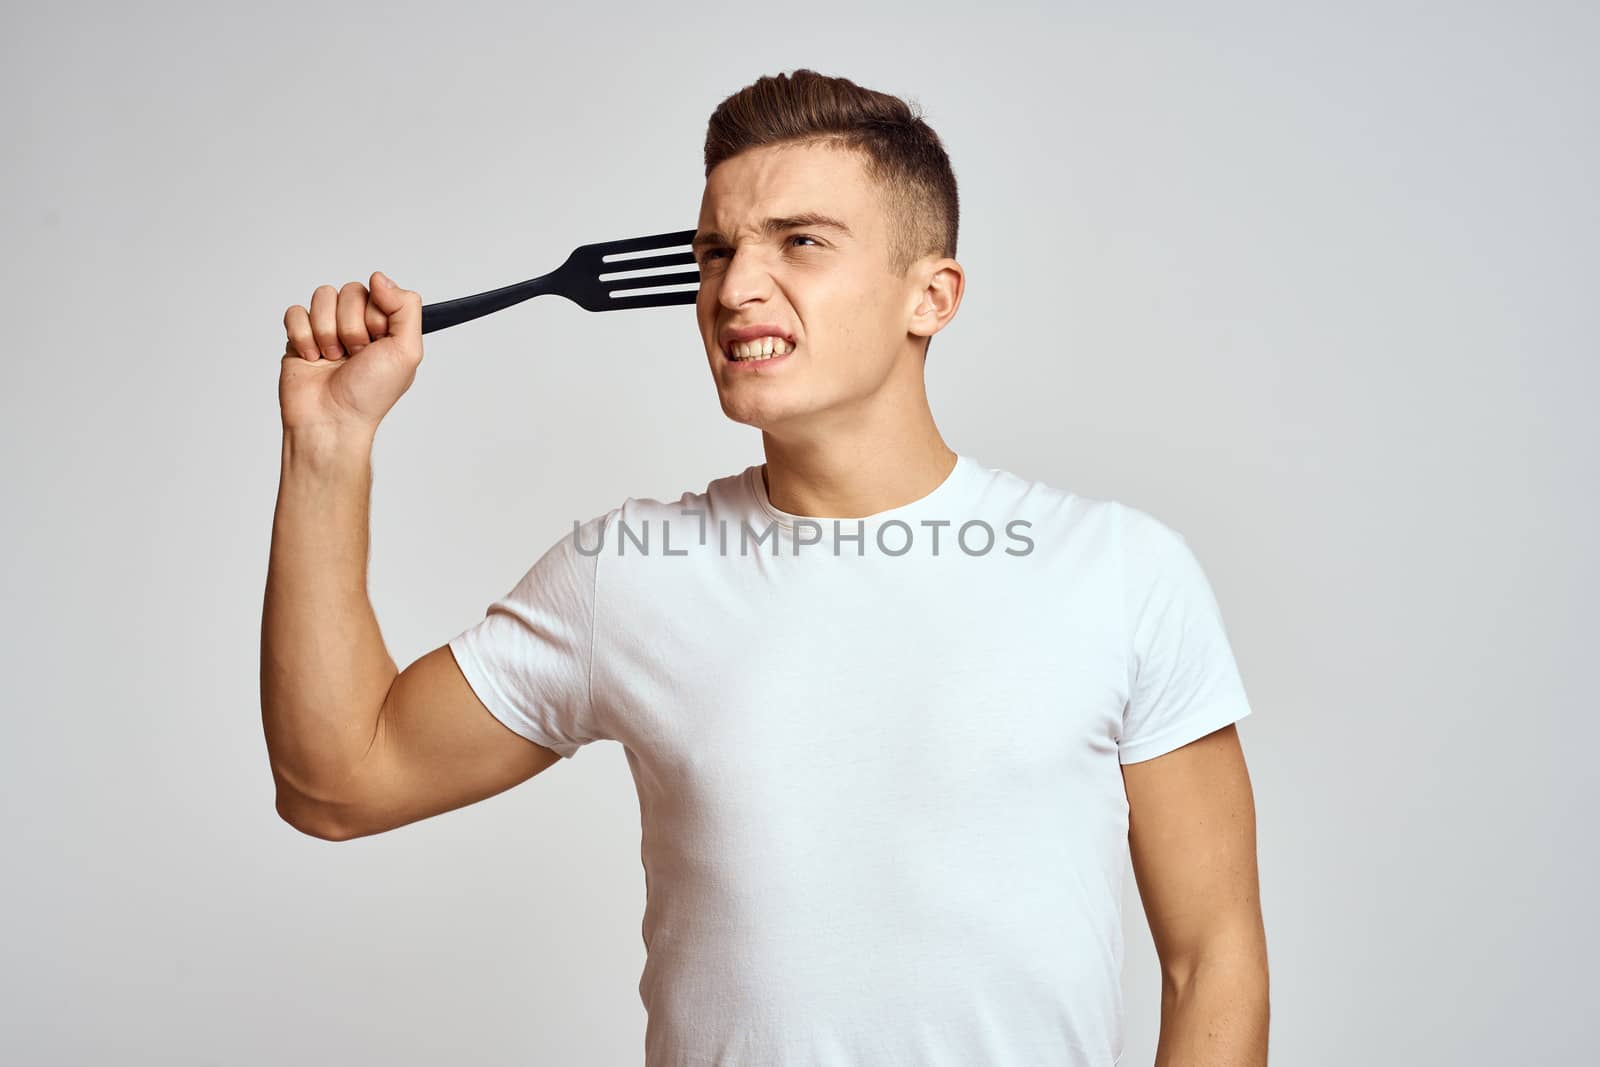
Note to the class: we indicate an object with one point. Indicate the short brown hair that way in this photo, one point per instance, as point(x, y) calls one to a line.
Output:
point(900, 151)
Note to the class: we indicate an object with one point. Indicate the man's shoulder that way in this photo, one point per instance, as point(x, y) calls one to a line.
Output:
point(1002, 491)
point(650, 524)
point(724, 493)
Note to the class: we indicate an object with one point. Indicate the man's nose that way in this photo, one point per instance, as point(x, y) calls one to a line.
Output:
point(745, 277)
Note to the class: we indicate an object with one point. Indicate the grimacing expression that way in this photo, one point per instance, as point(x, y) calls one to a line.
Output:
point(826, 287)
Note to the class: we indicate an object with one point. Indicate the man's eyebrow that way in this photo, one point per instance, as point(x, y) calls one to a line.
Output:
point(775, 225)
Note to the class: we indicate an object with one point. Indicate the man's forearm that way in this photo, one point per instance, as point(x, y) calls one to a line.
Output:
point(324, 668)
point(1216, 1016)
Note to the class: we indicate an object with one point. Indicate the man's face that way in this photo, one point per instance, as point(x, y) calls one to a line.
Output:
point(828, 291)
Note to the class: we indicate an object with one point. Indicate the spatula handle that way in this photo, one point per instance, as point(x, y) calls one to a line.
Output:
point(465, 308)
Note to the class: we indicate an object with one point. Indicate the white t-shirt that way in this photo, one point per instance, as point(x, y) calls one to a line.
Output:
point(878, 760)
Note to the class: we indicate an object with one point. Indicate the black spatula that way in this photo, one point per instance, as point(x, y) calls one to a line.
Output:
point(586, 279)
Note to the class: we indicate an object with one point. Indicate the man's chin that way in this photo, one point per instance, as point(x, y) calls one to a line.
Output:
point(762, 414)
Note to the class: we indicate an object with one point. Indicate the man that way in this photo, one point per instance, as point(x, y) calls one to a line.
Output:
point(895, 717)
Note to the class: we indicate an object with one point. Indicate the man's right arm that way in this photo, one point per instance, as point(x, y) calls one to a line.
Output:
point(356, 747)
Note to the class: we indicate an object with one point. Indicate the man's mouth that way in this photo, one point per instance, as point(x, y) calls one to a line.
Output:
point(757, 350)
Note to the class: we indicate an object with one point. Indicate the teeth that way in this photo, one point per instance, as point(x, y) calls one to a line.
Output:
point(761, 348)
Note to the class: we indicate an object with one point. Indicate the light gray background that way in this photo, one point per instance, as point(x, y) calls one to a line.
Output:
point(1314, 285)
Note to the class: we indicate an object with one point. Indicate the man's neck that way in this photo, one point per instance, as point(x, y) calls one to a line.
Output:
point(851, 479)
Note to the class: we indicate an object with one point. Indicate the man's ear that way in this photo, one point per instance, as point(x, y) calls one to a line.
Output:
point(942, 283)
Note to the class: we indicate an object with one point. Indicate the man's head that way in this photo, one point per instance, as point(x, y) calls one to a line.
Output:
point(830, 212)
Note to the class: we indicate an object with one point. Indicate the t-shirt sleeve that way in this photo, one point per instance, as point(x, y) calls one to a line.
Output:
point(529, 659)
point(1183, 682)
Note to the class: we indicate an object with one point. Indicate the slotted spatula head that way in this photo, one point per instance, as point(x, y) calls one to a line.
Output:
point(589, 278)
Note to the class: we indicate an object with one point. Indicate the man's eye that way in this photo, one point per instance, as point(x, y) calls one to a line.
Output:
point(713, 253)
